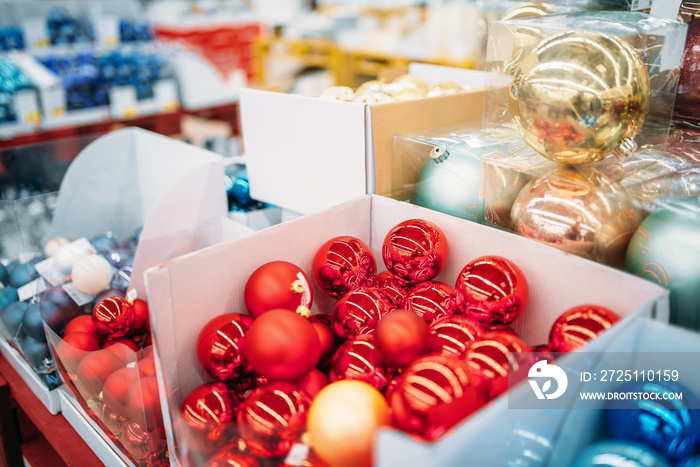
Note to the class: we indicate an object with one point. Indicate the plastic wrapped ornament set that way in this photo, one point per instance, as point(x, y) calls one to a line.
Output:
point(12, 79)
point(404, 88)
point(397, 348)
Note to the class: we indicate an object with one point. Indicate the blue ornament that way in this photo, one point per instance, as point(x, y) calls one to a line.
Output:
point(57, 308)
point(693, 461)
point(241, 190)
point(7, 295)
point(32, 323)
point(670, 427)
point(4, 275)
point(20, 276)
point(104, 242)
point(12, 317)
point(618, 454)
point(121, 279)
point(35, 351)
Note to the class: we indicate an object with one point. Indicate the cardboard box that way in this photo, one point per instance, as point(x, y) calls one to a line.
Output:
point(307, 154)
point(207, 281)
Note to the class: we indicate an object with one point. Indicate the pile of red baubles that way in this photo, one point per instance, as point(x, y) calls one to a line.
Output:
point(428, 352)
point(107, 356)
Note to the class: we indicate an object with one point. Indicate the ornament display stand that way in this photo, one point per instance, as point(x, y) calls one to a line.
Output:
point(47, 397)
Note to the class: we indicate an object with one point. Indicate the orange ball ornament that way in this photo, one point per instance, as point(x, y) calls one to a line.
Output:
point(342, 422)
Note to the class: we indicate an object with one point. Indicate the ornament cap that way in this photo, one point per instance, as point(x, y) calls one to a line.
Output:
point(439, 153)
point(625, 149)
point(303, 311)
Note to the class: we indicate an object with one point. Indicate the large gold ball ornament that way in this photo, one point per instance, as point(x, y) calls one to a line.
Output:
point(578, 210)
point(528, 10)
point(342, 422)
point(579, 96)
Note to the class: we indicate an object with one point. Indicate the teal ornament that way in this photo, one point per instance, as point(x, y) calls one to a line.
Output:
point(7, 296)
point(618, 454)
point(12, 318)
point(666, 249)
point(449, 183)
point(689, 462)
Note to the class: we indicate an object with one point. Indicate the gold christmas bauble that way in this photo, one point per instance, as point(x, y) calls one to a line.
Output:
point(579, 96)
point(578, 210)
point(338, 93)
point(367, 87)
point(528, 10)
point(342, 422)
point(412, 81)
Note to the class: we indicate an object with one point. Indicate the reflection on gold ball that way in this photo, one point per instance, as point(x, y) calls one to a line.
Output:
point(528, 10)
point(369, 86)
point(342, 422)
point(578, 210)
point(579, 96)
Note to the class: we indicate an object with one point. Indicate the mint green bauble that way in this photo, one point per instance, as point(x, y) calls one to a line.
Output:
point(666, 249)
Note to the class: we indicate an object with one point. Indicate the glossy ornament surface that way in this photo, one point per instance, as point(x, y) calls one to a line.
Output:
point(231, 457)
point(272, 418)
point(278, 284)
point(359, 312)
point(343, 420)
point(219, 346)
point(323, 327)
point(140, 443)
point(209, 413)
point(577, 210)
point(359, 360)
point(392, 286)
point(433, 394)
point(579, 96)
point(670, 427)
point(492, 290)
point(141, 317)
point(575, 327)
point(401, 337)
point(431, 300)
point(113, 317)
point(618, 454)
point(343, 264)
point(451, 335)
point(91, 274)
point(415, 250)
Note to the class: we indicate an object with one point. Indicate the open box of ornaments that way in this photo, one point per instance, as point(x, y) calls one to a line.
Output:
point(294, 341)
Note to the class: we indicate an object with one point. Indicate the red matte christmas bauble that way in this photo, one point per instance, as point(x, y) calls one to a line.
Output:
point(82, 323)
point(219, 346)
point(359, 312)
point(147, 366)
point(401, 337)
point(95, 368)
point(143, 403)
point(139, 443)
point(313, 382)
point(433, 394)
point(272, 418)
point(451, 335)
point(71, 350)
point(140, 325)
point(343, 264)
point(575, 327)
point(113, 317)
point(322, 326)
point(131, 345)
point(358, 359)
point(431, 300)
point(116, 388)
point(231, 457)
point(495, 354)
point(415, 250)
point(392, 286)
point(278, 284)
point(209, 413)
point(123, 348)
point(492, 290)
point(282, 345)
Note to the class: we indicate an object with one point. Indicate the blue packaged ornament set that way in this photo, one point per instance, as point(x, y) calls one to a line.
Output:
point(12, 80)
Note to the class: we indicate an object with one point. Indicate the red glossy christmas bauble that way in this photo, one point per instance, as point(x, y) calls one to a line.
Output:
point(230, 456)
point(544, 352)
point(113, 317)
point(451, 335)
point(322, 326)
point(359, 312)
point(358, 359)
point(431, 300)
point(492, 290)
point(148, 340)
point(343, 264)
point(415, 250)
point(401, 337)
point(95, 368)
point(219, 346)
point(392, 286)
point(313, 382)
point(278, 284)
point(82, 323)
point(282, 345)
point(209, 413)
point(272, 418)
point(140, 325)
point(140, 443)
point(123, 348)
point(575, 327)
point(71, 350)
point(433, 394)
point(143, 403)
point(493, 356)
point(114, 422)
point(116, 388)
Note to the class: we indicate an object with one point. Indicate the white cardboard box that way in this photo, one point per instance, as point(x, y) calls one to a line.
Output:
point(212, 282)
point(307, 154)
